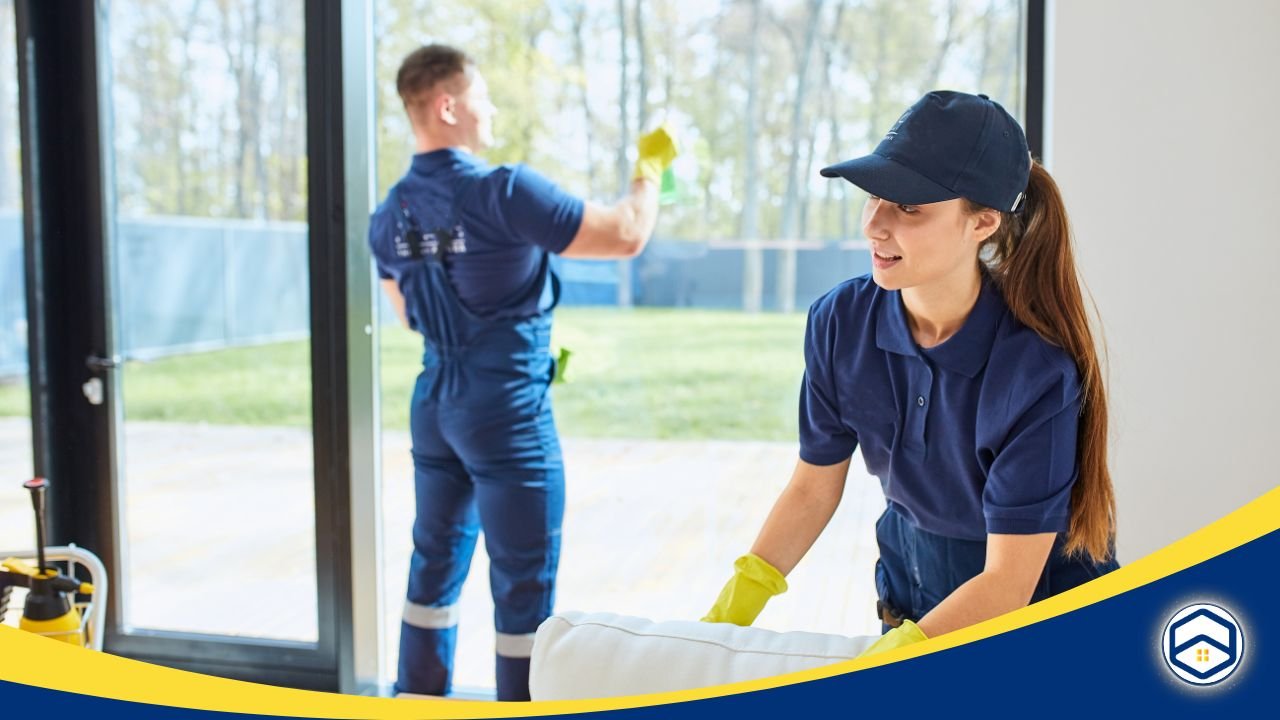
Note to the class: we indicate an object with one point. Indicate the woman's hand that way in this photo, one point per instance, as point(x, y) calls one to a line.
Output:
point(1007, 582)
point(908, 633)
point(754, 581)
point(796, 520)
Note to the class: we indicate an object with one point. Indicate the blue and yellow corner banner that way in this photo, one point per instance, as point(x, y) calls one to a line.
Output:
point(1188, 630)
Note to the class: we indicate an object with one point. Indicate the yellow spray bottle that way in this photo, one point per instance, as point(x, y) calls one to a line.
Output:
point(50, 608)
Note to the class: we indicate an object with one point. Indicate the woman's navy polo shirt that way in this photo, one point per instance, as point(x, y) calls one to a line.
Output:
point(974, 436)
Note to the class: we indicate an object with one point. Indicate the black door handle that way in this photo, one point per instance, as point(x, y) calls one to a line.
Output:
point(99, 365)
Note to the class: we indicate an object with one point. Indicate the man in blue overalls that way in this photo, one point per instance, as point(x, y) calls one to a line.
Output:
point(463, 252)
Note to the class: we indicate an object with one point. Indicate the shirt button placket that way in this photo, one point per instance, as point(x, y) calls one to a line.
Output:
point(920, 413)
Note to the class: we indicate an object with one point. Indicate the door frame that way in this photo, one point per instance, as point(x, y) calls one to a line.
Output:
point(68, 205)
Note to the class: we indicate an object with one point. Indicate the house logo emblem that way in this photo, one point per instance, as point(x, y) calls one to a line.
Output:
point(1203, 644)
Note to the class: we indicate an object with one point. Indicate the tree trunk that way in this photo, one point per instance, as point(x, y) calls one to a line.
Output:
point(984, 57)
point(5, 173)
point(668, 78)
point(624, 132)
point(753, 254)
point(827, 114)
point(626, 290)
point(254, 115)
point(184, 162)
point(1006, 77)
point(533, 31)
point(944, 47)
point(624, 141)
point(875, 126)
point(579, 18)
point(642, 97)
point(806, 172)
point(835, 145)
point(717, 100)
point(786, 275)
point(235, 47)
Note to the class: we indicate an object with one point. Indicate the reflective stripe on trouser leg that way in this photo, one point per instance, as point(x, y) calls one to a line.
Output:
point(521, 507)
point(523, 557)
point(444, 538)
point(428, 636)
point(515, 646)
point(430, 618)
point(511, 665)
point(513, 457)
point(523, 596)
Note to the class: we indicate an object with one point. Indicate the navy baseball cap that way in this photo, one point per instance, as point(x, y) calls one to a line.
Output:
point(948, 145)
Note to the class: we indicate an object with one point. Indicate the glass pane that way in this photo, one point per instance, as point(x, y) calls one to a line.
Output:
point(211, 308)
point(678, 422)
point(17, 527)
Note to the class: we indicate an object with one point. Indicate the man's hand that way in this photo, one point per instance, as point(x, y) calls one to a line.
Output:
point(621, 231)
point(657, 150)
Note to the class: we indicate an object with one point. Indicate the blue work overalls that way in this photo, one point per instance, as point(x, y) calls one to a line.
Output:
point(486, 455)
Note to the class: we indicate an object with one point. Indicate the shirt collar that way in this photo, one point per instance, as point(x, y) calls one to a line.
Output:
point(430, 162)
point(966, 352)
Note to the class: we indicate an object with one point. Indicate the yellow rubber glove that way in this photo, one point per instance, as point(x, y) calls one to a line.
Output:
point(657, 150)
point(908, 633)
point(754, 581)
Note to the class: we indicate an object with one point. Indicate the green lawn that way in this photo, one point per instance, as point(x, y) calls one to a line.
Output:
point(645, 373)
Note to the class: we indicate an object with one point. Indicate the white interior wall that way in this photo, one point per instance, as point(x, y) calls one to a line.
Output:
point(1163, 129)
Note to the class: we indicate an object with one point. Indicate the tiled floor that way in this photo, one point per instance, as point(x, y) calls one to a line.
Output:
point(221, 538)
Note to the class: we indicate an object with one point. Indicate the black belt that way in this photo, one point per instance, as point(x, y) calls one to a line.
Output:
point(888, 614)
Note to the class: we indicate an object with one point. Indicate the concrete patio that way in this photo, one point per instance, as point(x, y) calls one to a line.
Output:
point(219, 517)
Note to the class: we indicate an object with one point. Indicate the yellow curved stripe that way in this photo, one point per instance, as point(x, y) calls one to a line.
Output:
point(33, 660)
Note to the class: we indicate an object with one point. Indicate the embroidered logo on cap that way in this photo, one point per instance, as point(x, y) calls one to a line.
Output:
point(893, 131)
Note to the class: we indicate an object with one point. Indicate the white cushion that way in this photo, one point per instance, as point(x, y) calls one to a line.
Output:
point(593, 655)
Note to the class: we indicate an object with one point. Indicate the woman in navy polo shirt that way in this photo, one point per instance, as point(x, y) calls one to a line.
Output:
point(964, 368)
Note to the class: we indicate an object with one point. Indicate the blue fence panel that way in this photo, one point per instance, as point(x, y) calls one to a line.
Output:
point(187, 284)
point(818, 271)
point(680, 273)
point(674, 273)
point(170, 285)
point(13, 298)
point(268, 289)
point(587, 282)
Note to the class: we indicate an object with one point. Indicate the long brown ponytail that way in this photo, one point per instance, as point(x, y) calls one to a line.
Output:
point(1031, 259)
